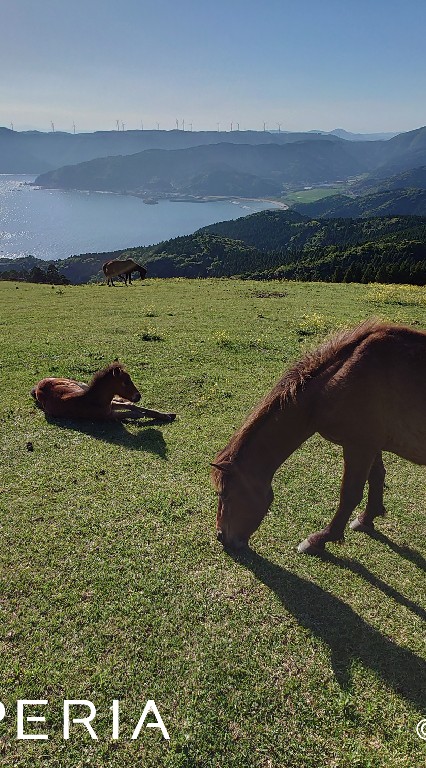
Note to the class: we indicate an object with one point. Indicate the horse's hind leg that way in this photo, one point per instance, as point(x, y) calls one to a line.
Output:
point(358, 462)
point(374, 508)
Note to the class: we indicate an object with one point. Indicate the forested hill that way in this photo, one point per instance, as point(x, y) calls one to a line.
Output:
point(278, 230)
point(398, 202)
point(414, 178)
point(383, 249)
point(286, 244)
point(280, 244)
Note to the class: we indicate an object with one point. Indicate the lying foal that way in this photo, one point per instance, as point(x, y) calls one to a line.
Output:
point(110, 395)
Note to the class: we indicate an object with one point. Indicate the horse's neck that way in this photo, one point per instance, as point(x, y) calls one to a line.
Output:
point(101, 391)
point(273, 438)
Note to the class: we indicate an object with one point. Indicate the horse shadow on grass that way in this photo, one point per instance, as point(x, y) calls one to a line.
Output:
point(360, 570)
point(403, 551)
point(347, 634)
point(145, 439)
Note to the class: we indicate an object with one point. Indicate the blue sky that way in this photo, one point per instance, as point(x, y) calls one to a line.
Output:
point(311, 64)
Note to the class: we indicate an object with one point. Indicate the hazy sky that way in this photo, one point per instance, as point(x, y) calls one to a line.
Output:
point(356, 64)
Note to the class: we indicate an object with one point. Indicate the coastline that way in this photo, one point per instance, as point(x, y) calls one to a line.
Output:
point(172, 198)
point(54, 224)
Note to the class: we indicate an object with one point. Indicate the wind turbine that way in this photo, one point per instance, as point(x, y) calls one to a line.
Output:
point(279, 127)
point(218, 127)
point(118, 124)
point(177, 124)
point(183, 124)
point(52, 126)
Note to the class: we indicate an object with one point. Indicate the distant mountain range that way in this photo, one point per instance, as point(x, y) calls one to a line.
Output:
point(342, 134)
point(36, 152)
point(244, 169)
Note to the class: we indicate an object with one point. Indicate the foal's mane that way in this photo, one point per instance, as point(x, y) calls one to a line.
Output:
point(335, 349)
point(105, 371)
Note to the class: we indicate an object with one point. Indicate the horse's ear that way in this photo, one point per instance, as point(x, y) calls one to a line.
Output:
point(224, 466)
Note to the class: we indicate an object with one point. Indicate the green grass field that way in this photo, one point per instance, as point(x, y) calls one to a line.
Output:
point(113, 585)
point(312, 195)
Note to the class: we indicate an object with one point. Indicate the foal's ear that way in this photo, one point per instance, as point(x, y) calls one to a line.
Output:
point(224, 466)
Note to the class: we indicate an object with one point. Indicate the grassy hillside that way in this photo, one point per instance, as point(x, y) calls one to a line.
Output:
point(113, 585)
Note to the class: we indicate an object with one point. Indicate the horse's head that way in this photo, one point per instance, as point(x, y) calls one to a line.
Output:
point(123, 385)
point(243, 503)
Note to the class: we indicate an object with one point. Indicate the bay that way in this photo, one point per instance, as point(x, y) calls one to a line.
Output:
point(55, 224)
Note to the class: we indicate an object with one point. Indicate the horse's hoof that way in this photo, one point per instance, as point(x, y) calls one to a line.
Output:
point(307, 548)
point(357, 525)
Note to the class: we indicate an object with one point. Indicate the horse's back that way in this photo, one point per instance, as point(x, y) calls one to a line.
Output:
point(377, 394)
point(53, 395)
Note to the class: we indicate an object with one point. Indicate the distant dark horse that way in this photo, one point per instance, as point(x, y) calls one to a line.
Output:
point(123, 269)
point(110, 395)
point(364, 389)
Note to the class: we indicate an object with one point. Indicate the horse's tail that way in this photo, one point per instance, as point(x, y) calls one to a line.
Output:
point(105, 268)
point(33, 394)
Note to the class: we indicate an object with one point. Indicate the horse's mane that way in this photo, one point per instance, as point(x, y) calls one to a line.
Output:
point(105, 371)
point(334, 349)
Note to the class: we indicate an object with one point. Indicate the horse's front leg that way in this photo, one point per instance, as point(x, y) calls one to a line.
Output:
point(127, 410)
point(157, 415)
point(374, 508)
point(357, 465)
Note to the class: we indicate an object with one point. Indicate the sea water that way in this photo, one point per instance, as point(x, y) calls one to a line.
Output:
point(54, 223)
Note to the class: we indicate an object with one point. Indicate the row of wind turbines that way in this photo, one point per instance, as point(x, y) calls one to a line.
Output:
point(120, 126)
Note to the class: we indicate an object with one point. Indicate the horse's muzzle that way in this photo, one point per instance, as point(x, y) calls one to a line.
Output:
point(231, 544)
point(136, 398)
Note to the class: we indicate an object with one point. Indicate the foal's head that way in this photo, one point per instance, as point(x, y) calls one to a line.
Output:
point(116, 379)
point(243, 503)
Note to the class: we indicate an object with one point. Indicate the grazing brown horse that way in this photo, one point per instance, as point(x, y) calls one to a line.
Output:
point(364, 390)
point(123, 269)
point(110, 395)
